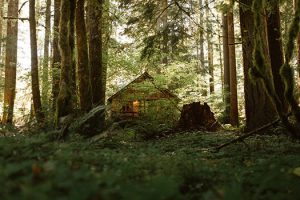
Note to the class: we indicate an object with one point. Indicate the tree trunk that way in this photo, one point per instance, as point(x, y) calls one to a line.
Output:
point(94, 13)
point(276, 49)
point(85, 93)
point(45, 78)
point(106, 33)
point(10, 62)
point(72, 46)
point(56, 55)
point(165, 32)
point(37, 106)
point(221, 60)
point(234, 116)
point(258, 106)
point(298, 48)
point(226, 69)
point(210, 51)
point(64, 104)
point(94, 24)
point(202, 63)
point(1, 26)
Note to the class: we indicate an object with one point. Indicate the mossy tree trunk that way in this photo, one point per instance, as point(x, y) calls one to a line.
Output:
point(276, 49)
point(258, 106)
point(10, 62)
point(36, 97)
point(56, 54)
point(45, 77)
point(210, 51)
point(64, 104)
point(234, 115)
point(202, 69)
point(165, 38)
point(72, 46)
point(226, 69)
point(83, 73)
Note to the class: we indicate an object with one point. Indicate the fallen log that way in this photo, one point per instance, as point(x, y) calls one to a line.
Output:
point(87, 125)
point(243, 137)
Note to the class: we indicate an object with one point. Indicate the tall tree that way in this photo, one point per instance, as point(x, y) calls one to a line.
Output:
point(210, 51)
point(37, 106)
point(85, 93)
point(94, 15)
point(1, 25)
point(56, 55)
point(164, 5)
point(45, 78)
point(234, 118)
point(258, 106)
point(10, 61)
point(106, 33)
point(201, 43)
point(64, 104)
point(275, 48)
point(298, 47)
point(226, 68)
point(72, 44)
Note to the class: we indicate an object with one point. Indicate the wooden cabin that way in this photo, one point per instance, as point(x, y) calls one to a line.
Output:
point(142, 97)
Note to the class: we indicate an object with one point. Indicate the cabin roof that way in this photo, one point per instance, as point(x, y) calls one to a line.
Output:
point(139, 79)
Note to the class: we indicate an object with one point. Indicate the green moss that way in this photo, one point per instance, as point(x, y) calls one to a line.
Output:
point(177, 167)
point(286, 70)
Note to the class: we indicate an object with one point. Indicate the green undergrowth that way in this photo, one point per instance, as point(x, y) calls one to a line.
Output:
point(177, 167)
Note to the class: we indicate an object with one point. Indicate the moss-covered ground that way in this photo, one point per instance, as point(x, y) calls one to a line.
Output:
point(178, 167)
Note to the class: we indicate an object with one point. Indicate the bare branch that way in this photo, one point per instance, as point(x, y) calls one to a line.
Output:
point(22, 6)
point(18, 18)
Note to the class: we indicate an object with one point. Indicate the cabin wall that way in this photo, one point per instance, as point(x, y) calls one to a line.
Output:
point(144, 100)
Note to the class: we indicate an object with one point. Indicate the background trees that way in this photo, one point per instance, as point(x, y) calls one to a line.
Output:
point(105, 44)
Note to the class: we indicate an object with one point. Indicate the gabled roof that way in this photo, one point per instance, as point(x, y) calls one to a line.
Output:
point(139, 79)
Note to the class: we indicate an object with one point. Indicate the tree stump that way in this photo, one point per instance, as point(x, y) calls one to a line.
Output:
point(195, 116)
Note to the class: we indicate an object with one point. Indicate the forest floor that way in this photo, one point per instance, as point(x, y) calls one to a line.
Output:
point(122, 167)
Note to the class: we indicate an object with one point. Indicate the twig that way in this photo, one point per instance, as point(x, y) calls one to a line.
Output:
point(18, 18)
point(243, 137)
point(22, 6)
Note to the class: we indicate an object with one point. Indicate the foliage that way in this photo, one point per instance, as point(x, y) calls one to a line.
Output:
point(177, 167)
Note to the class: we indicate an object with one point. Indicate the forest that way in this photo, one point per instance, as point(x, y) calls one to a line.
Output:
point(150, 99)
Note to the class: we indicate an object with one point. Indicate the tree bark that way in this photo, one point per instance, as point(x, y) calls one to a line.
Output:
point(258, 106)
point(165, 32)
point(94, 13)
point(64, 104)
point(234, 116)
point(202, 63)
point(94, 24)
point(56, 54)
point(72, 46)
point(226, 69)
point(1, 26)
point(85, 94)
point(210, 51)
point(298, 48)
point(106, 33)
point(45, 78)
point(10, 62)
point(276, 49)
point(36, 97)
